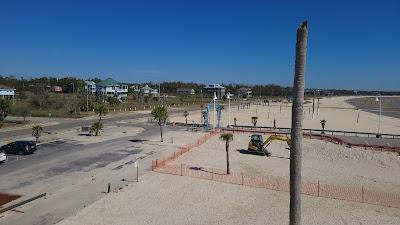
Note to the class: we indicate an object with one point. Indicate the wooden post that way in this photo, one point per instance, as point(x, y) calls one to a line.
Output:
point(137, 172)
point(362, 194)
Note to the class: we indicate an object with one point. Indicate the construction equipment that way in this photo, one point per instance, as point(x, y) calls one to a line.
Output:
point(257, 144)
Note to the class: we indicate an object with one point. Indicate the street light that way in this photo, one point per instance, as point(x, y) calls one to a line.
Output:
point(229, 109)
point(214, 99)
point(378, 99)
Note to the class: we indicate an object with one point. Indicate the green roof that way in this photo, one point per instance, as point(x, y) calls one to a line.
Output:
point(108, 82)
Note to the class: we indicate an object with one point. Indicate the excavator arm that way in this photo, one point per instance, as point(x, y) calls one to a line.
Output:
point(276, 137)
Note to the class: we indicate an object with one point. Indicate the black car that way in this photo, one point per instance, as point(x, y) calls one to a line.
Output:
point(19, 147)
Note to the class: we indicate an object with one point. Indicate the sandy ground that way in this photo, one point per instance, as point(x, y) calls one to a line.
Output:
point(166, 199)
point(338, 114)
point(324, 161)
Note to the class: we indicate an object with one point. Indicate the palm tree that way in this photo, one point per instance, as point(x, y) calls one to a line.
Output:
point(323, 122)
point(97, 127)
point(297, 126)
point(186, 114)
point(37, 132)
point(254, 120)
point(160, 113)
point(227, 137)
point(101, 110)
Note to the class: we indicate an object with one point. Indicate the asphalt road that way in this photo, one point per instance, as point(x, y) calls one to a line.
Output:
point(67, 124)
point(57, 165)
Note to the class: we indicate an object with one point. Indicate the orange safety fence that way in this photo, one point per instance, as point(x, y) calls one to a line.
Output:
point(182, 150)
point(318, 189)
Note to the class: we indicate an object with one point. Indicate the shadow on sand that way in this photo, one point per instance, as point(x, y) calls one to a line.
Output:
point(244, 151)
point(137, 140)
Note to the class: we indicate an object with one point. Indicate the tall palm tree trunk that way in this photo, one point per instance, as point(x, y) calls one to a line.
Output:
point(297, 126)
point(227, 157)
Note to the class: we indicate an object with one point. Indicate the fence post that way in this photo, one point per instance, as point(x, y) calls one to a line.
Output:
point(318, 189)
point(181, 170)
point(362, 194)
point(212, 173)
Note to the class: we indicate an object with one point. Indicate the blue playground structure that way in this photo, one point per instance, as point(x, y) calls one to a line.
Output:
point(207, 112)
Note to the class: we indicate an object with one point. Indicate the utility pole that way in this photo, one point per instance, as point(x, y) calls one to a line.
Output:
point(379, 99)
point(313, 104)
point(159, 93)
point(87, 98)
point(229, 109)
point(215, 111)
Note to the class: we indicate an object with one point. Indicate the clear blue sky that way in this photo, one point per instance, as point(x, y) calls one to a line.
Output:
point(352, 44)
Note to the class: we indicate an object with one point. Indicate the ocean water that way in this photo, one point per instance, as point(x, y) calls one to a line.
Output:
point(390, 105)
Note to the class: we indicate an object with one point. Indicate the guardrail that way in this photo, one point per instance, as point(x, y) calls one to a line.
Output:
point(332, 132)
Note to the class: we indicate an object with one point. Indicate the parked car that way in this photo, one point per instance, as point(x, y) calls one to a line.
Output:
point(3, 157)
point(19, 147)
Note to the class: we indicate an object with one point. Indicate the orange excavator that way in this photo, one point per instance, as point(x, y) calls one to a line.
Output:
point(257, 144)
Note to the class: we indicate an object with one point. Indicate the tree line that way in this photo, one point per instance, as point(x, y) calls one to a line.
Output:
point(77, 85)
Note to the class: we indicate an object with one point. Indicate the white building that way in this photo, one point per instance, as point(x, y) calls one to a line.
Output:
point(90, 86)
point(112, 88)
point(7, 92)
point(146, 90)
point(210, 89)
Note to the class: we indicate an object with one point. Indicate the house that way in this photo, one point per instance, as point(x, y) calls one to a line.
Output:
point(146, 90)
point(185, 91)
point(210, 89)
point(90, 86)
point(245, 92)
point(7, 92)
point(111, 88)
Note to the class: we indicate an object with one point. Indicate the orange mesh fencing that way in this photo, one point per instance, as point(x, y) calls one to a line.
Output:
point(317, 189)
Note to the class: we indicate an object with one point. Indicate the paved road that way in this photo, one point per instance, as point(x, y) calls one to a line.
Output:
point(388, 142)
point(67, 124)
point(62, 164)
